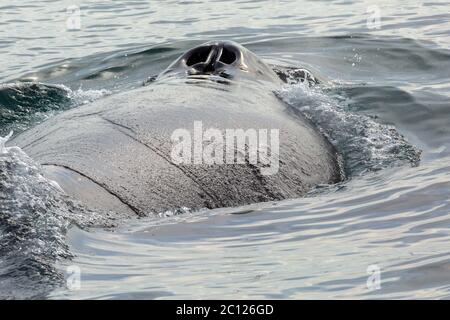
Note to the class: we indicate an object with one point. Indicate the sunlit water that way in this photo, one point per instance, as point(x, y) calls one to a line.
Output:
point(384, 98)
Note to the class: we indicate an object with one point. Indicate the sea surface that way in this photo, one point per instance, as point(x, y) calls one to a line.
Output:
point(383, 101)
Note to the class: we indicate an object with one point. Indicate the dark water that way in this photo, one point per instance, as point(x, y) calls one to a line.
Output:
point(384, 102)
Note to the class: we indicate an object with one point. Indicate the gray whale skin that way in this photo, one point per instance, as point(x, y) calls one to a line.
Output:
point(115, 153)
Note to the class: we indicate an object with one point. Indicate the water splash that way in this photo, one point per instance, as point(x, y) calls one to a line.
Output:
point(365, 144)
point(34, 217)
point(23, 104)
point(3, 141)
point(80, 96)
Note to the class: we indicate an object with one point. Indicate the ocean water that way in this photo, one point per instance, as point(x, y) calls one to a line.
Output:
point(383, 102)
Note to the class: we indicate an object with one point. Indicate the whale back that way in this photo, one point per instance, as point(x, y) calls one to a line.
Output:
point(116, 153)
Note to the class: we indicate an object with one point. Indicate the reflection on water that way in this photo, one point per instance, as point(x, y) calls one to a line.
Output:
point(318, 247)
point(396, 219)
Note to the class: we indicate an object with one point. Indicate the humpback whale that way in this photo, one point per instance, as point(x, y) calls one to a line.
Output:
point(117, 153)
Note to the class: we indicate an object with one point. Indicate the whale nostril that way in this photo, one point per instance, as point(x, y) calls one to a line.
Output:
point(228, 56)
point(210, 55)
point(199, 55)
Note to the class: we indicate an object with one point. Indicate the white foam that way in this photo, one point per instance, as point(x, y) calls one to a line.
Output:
point(365, 144)
point(81, 96)
point(3, 140)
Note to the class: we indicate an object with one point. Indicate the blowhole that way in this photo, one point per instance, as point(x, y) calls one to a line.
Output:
point(228, 56)
point(199, 55)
